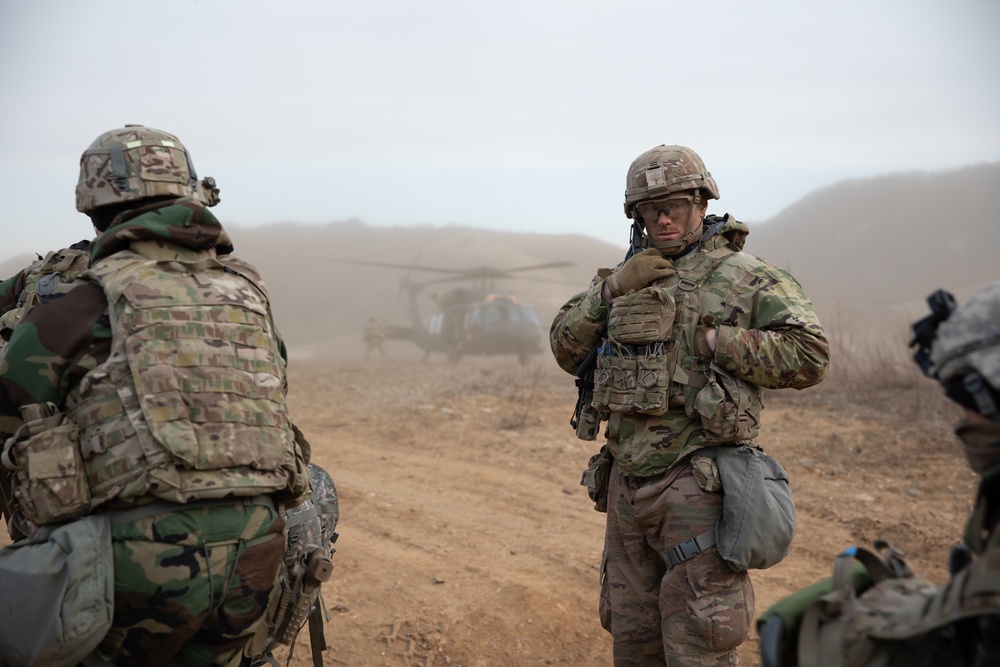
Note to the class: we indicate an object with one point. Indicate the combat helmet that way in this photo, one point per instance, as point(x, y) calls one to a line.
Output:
point(664, 170)
point(959, 346)
point(965, 355)
point(136, 162)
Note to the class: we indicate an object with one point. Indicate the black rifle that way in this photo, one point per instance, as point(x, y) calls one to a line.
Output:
point(586, 420)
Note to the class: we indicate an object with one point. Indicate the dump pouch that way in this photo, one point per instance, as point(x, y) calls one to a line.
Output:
point(757, 523)
point(58, 594)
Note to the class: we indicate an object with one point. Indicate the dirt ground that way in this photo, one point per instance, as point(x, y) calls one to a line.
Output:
point(465, 538)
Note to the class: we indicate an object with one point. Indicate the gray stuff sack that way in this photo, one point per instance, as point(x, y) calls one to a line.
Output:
point(57, 598)
point(757, 523)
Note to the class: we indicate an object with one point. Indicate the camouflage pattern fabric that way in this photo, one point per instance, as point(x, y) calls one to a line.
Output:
point(194, 582)
point(191, 586)
point(769, 336)
point(56, 353)
point(699, 611)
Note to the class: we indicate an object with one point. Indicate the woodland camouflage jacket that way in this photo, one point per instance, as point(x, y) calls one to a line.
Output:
point(769, 336)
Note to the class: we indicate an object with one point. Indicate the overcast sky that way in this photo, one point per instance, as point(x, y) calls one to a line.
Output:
point(521, 115)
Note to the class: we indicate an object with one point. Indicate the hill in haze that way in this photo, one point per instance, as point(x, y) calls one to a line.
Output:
point(867, 251)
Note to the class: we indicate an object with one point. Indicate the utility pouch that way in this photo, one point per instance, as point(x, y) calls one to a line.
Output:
point(729, 407)
point(645, 316)
point(50, 481)
point(58, 594)
point(757, 523)
point(596, 476)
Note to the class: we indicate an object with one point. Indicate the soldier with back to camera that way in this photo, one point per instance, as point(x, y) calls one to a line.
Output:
point(150, 394)
point(677, 344)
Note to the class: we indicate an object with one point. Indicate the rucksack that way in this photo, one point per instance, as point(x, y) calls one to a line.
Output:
point(873, 611)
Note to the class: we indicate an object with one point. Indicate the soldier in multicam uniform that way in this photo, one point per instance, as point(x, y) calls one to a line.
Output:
point(166, 362)
point(688, 331)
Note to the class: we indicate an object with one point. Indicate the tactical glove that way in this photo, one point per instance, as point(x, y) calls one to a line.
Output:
point(639, 271)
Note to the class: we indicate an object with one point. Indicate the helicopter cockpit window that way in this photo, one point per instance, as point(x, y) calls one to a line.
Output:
point(528, 314)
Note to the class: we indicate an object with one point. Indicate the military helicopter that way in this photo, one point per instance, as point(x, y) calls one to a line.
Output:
point(473, 319)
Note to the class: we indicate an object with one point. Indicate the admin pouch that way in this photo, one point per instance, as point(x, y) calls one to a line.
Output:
point(631, 374)
point(757, 523)
point(58, 593)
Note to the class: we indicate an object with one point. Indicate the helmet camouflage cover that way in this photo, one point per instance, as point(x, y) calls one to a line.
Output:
point(664, 170)
point(969, 340)
point(136, 162)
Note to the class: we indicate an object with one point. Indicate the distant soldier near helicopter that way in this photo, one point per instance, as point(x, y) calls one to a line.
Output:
point(375, 335)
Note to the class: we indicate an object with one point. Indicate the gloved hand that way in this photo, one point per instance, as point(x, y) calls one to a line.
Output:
point(639, 271)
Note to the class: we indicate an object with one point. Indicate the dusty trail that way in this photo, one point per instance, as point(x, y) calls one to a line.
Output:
point(467, 540)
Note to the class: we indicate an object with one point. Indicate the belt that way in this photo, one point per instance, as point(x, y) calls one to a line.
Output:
point(121, 517)
point(689, 548)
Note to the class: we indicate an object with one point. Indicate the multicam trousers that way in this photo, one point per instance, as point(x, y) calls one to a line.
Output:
point(695, 614)
point(191, 586)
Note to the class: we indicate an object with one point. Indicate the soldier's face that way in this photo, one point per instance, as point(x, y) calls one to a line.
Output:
point(671, 218)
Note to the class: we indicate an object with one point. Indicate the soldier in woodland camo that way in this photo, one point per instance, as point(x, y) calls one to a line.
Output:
point(689, 330)
point(162, 366)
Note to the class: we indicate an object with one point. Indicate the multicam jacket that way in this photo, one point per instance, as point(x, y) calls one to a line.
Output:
point(768, 337)
point(177, 387)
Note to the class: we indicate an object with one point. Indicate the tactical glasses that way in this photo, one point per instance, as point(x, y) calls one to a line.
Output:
point(674, 207)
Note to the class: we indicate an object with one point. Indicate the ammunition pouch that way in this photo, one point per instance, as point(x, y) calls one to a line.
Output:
point(49, 479)
point(632, 379)
point(596, 477)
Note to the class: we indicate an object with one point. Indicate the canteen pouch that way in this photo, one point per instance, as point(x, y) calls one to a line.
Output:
point(58, 594)
point(729, 408)
point(757, 523)
point(645, 316)
point(50, 481)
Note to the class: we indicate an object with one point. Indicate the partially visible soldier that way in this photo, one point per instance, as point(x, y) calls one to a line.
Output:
point(375, 335)
point(157, 379)
point(683, 336)
point(31, 285)
point(890, 616)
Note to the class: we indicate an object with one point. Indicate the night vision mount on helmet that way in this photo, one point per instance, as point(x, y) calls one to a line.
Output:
point(959, 346)
point(137, 162)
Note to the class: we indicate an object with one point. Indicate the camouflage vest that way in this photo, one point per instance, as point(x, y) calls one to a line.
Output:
point(190, 403)
point(646, 365)
point(41, 279)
